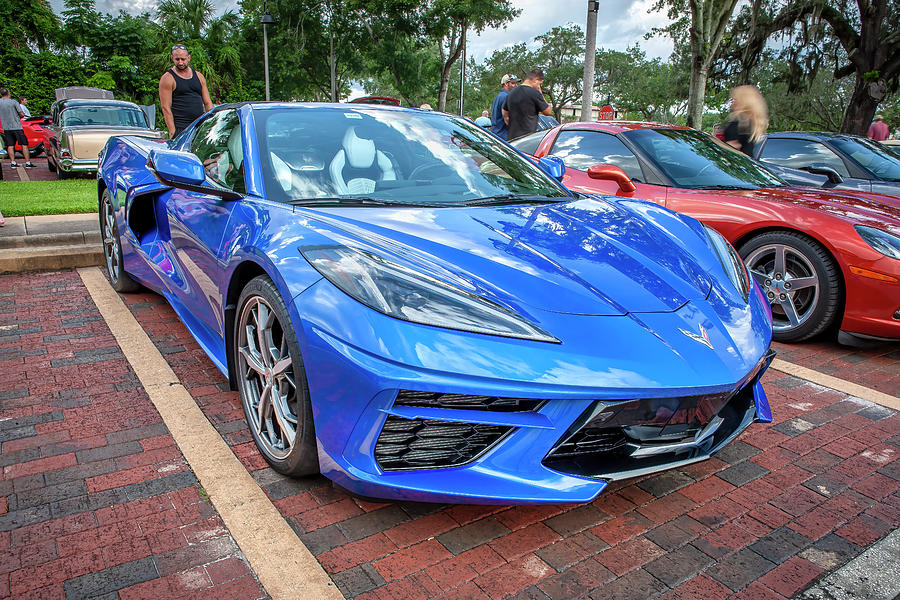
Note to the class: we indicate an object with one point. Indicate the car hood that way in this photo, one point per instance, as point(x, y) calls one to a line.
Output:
point(864, 208)
point(590, 257)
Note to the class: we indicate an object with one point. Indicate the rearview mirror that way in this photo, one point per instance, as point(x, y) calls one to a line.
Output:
point(823, 169)
point(184, 170)
point(612, 173)
point(552, 166)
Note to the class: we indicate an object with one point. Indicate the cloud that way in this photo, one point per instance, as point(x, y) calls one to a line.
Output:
point(620, 23)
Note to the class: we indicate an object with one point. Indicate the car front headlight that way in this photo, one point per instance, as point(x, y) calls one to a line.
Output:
point(880, 241)
point(731, 262)
point(400, 292)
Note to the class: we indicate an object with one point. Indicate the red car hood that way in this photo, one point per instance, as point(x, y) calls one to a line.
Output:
point(862, 208)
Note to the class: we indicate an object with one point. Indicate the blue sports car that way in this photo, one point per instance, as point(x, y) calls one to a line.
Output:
point(413, 308)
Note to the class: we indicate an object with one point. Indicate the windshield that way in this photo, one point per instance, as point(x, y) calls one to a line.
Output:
point(870, 156)
point(116, 116)
point(693, 159)
point(390, 157)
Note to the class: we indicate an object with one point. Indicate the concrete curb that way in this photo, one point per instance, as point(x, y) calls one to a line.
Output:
point(50, 242)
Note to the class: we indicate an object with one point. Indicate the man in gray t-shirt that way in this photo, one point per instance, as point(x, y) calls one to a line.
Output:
point(10, 113)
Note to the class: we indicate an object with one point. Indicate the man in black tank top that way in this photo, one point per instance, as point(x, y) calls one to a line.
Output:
point(183, 95)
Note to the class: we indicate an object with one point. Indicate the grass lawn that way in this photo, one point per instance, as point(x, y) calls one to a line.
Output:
point(24, 198)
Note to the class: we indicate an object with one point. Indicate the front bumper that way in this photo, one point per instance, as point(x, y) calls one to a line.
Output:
point(393, 429)
point(71, 165)
point(872, 308)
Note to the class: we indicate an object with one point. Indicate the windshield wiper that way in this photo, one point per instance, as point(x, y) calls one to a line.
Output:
point(502, 199)
point(722, 187)
point(356, 201)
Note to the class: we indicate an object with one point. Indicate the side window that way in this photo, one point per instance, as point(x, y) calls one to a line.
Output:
point(529, 143)
point(219, 146)
point(581, 149)
point(798, 154)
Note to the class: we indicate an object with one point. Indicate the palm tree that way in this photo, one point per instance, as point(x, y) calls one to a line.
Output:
point(184, 19)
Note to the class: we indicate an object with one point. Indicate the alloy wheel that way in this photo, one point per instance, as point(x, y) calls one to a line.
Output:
point(266, 377)
point(789, 282)
point(111, 242)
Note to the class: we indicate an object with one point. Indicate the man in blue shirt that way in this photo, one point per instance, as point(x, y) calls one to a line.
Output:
point(498, 123)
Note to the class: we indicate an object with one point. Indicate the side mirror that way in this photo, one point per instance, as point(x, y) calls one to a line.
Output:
point(612, 173)
point(184, 170)
point(823, 169)
point(552, 166)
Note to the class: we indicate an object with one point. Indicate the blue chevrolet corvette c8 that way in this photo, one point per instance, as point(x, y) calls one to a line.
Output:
point(413, 308)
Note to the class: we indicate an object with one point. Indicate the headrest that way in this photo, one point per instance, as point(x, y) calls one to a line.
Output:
point(360, 152)
point(235, 147)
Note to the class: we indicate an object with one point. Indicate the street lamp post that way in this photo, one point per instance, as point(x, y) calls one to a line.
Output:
point(590, 49)
point(267, 19)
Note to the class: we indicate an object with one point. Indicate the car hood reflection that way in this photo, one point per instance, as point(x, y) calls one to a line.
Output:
point(583, 257)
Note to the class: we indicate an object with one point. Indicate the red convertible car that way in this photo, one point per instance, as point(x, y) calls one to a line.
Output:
point(821, 257)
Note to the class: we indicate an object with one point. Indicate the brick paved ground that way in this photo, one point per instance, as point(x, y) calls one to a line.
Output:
point(877, 368)
point(95, 498)
point(786, 504)
point(40, 172)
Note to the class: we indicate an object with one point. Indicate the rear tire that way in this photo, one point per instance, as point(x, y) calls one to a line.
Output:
point(272, 381)
point(800, 280)
point(112, 248)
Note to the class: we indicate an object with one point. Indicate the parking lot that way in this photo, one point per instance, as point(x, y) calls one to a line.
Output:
point(110, 488)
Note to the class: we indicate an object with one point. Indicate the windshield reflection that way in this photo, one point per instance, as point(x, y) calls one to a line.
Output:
point(871, 156)
point(693, 159)
point(402, 157)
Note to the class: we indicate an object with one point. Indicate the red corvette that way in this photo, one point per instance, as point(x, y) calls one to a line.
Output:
point(34, 132)
point(821, 257)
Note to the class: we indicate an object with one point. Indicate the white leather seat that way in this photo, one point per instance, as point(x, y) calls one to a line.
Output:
point(358, 165)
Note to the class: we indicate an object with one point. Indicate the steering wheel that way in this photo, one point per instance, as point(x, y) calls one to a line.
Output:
point(74, 122)
point(423, 168)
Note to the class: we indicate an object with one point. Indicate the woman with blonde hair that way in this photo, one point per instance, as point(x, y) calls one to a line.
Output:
point(748, 120)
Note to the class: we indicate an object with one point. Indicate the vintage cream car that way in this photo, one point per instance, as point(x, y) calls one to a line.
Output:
point(77, 130)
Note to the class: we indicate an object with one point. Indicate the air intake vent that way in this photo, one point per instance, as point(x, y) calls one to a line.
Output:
point(430, 444)
point(464, 402)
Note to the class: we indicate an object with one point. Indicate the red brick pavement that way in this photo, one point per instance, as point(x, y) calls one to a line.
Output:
point(40, 172)
point(877, 368)
point(786, 504)
point(95, 497)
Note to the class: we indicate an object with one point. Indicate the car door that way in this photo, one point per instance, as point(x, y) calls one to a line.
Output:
point(199, 222)
point(580, 149)
point(798, 153)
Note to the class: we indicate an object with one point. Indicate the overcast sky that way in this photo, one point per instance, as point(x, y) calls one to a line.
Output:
point(620, 23)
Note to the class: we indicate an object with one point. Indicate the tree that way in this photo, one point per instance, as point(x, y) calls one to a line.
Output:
point(400, 59)
point(448, 21)
point(184, 19)
point(635, 84)
point(81, 25)
point(705, 22)
point(561, 53)
point(869, 33)
point(25, 23)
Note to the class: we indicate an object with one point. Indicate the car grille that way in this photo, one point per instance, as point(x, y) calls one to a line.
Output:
point(431, 444)
point(625, 439)
point(461, 401)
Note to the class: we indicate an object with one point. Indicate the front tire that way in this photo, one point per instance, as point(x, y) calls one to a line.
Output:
point(272, 381)
point(112, 247)
point(799, 278)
